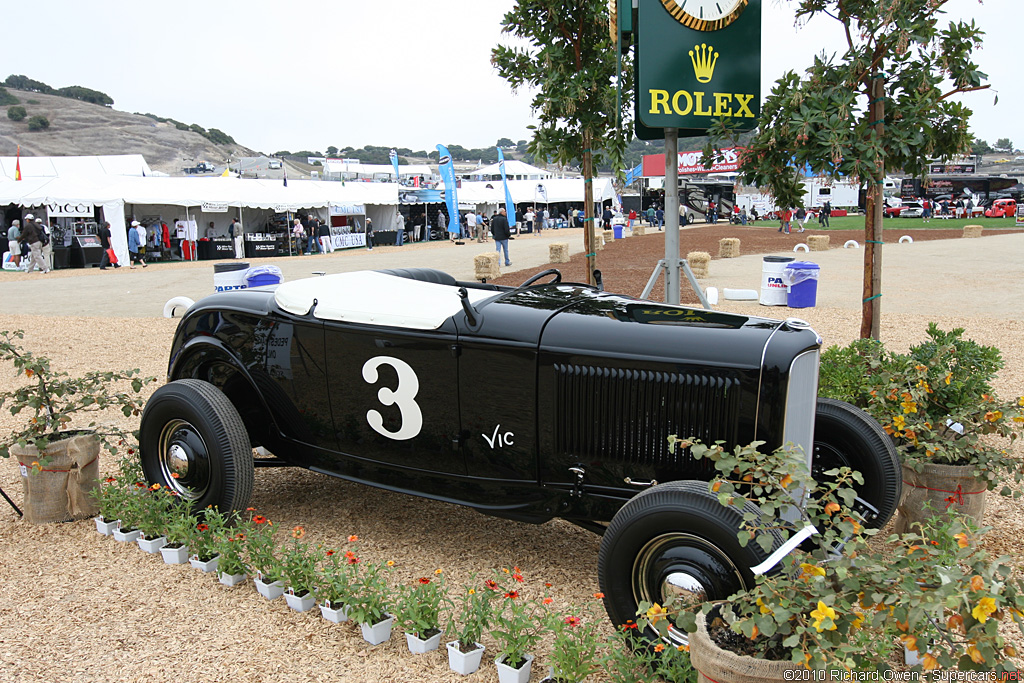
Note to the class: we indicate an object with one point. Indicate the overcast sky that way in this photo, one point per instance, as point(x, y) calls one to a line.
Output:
point(306, 74)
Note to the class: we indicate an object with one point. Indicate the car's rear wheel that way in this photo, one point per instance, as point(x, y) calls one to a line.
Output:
point(846, 436)
point(674, 540)
point(193, 441)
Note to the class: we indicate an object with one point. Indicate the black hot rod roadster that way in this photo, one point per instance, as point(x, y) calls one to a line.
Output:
point(550, 399)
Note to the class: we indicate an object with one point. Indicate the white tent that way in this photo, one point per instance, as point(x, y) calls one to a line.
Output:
point(514, 170)
point(347, 169)
point(76, 167)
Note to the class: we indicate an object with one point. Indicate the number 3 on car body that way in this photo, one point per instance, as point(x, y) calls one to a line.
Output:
point(402, 396)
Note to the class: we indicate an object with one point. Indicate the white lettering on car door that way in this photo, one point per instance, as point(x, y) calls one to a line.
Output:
point(402, 396)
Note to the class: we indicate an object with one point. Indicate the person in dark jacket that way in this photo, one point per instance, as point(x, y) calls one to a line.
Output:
point(105, 243)
point(32, 236)
point(501, 233)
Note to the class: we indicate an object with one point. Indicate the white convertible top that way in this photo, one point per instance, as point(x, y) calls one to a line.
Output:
point(375, 299)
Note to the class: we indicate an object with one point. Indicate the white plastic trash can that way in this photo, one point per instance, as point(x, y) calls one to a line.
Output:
point(774, 291)
point(228, 276)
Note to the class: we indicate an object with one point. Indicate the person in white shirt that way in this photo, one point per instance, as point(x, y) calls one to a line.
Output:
point(471, 230)
point(529, 220)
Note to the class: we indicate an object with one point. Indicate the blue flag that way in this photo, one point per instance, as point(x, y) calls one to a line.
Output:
point(393, 155)
point(447, 170)
point(510, 207)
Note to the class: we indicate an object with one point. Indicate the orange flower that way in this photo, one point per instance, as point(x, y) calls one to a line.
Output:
point(961, 540)
point(155, 487)
point(175, 475)
point(352, 560)
point(438, 572)
point(929, 662)
point(298, 532)
point(717, 485)
point(259, 519)
point(993, 415)
point(599, 596)
point(250, 509)
point(353, 538)
point(573, 621)
point(490, 585)
point(390, 563)
point(975, 655)
point(329, 553)
point(786, 481)
point(832, 508)
point(977, 583)
point(659, 647)
point(909, 642)
point(110, 480)
point(955, 623)
point(424, 580)
point(512, 595)
point(548, 601)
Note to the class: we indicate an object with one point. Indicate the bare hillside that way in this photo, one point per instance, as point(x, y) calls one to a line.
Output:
point(80, 128)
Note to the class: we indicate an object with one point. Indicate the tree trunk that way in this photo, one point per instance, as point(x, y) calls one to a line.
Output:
point(589, 239)
point(871, 306)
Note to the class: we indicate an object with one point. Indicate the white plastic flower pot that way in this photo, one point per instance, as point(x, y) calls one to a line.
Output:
point(152, 545)
point(418, 646)
point(461, 662)
point(335, 616)
point(271, 591)
point(104, 527)
point(177, 555)
point(126, 536)
point(375, 634)
point(208, 566)
point(232, 580)
point(507, 674)
point(303, 604)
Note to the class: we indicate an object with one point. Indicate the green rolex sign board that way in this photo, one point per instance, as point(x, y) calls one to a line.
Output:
point(696, 61)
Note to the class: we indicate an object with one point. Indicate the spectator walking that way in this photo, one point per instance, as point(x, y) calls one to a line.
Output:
point(32, 236)
point(104, 235)
point(369, 232)
point(471, 228)
point(529, 219)
point(801, 217)
point(235, 232)
point(825, 215)
point(650, 216)
point(743, 216)
point(14, 242)
point(712, 212)
point(632, 218)
point(134, 246)
point(400, 225)
point(660, 215)
point(786, 218)
point(312, 229)
point(501, 233)
point(299, 234)
point(324, 234)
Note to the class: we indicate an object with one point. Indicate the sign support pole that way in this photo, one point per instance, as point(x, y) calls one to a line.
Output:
point(671, 209)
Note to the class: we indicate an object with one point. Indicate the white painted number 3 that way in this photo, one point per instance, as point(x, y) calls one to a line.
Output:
point(402, 396)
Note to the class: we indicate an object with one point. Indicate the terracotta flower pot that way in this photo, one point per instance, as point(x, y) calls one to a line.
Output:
point(715, 665)
point(60, 490)
point(944, 487)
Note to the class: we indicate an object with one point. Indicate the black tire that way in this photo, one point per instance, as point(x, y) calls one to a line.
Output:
point(191, 428)
point(845, 435)
point(678, 530)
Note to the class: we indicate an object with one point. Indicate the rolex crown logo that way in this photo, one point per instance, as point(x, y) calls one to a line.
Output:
point(703, 62)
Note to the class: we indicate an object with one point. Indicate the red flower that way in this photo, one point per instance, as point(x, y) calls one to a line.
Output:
point(518, 577)
point(493, 585)
point(629, 625)
point(110, 480)
point(259, 519)
point(349, 554)
point(202, 527)
point(573, 621)
point(424, 580)
point(298, 532)
point(250, 509)
point(512, 595)
point(547, 585)
point(548, 601)
point(239, 537)
point(329, 553)
point(139, 485)
point(131, 451)
point(353, 538)
point(352, 560)
point(599, 596)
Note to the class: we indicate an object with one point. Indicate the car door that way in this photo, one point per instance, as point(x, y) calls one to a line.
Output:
point(394, 395)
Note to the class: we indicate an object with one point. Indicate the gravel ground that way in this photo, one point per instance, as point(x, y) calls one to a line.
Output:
point(79, 607)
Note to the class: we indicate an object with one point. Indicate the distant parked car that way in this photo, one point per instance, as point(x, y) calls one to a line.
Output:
point(275, 163)
point(1002, 208)
point(911, 210)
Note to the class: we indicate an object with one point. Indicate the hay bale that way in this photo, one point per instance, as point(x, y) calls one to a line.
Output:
point(598, 242)
point(699, 262)
point(487, 266)
point(638, 231)
point(609, 235)
point(558, 252)
point(972, 231)
point(818, 242)
point(729, 247)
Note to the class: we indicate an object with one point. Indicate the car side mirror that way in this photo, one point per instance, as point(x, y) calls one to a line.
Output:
point(471, 312)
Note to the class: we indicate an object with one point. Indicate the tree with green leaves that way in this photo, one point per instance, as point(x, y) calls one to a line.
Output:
point(1003, 145)
point(979, 147)
point(884, 103)
point(570, 61)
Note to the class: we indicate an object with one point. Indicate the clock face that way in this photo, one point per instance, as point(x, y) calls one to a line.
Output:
point(705, 15)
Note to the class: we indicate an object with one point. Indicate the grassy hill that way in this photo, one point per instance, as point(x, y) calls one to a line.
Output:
point(81, 128)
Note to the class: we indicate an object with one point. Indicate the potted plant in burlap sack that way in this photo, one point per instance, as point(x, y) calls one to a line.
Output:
point(58, 452)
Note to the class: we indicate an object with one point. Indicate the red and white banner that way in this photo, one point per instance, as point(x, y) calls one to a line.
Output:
point(689, 163)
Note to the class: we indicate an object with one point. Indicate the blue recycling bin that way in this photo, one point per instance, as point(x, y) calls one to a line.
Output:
point(618, 231)
point(263, 275)
point(802, 278)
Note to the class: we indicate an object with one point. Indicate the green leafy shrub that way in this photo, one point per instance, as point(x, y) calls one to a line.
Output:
point(77, 92)
point(7, 98)
point(38, 123)
point(17, 113)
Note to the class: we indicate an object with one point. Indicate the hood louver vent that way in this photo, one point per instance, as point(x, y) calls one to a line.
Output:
point(625, 415)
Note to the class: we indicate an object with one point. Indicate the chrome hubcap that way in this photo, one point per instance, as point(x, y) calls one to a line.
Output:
point(184, 459)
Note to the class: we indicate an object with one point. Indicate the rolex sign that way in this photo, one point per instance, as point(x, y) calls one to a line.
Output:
point(697, 61)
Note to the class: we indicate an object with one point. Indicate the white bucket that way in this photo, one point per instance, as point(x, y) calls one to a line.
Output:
point(773, 290)
point(228, 276)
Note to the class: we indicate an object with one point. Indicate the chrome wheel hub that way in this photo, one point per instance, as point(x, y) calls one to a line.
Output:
point(185, 464)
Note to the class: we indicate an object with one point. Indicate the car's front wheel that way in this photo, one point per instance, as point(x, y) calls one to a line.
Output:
point(674, 540)
point(193, 441)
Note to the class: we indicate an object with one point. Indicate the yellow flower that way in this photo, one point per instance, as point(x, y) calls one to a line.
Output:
point(786, 481)
point(391, 563)
point(472, 591)
point(858, 621)
point(656, 613)
point(909, 406)
point(1020, 401)
point(765, 609)
point(437, 571)
point(977, 583)
point(983, 609)
point(993, 415)
point(899, 422)
point(949, 378)
point(961, 540)
point(929, 662)
point(820, 615)
point(809, 571)
point(909, 642)
point(975, 655)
